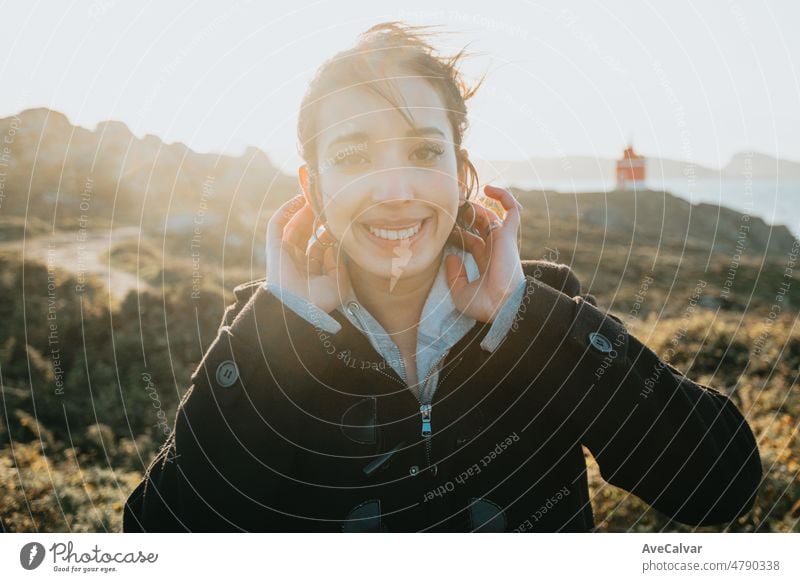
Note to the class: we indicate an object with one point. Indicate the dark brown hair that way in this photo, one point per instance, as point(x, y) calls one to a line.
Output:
point(385, 45)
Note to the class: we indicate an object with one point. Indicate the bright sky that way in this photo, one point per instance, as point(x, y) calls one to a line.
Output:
point(698, 81)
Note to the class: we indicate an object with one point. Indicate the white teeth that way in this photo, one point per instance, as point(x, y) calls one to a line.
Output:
point(395, 234)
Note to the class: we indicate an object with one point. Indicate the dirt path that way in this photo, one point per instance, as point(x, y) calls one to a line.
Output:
point(67, 251)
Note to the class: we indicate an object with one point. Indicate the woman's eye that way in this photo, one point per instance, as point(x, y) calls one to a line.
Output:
point(349, 159)
point(428, 153)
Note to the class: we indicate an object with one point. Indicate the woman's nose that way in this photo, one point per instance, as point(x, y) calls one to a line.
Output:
point(392, 184)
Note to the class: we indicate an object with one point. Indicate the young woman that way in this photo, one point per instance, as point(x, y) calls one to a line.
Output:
point(402, 369)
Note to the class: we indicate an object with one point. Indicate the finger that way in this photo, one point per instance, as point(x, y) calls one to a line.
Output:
point(468, 241)
point(510, 205)
point(333, 261)
point(316, 251)
point(300, 227)
point(315, 265)
point(277, 223)
point(327, 237)
point(466, 214)
point(455, 237)
point(474, 245)
point(456, 273)
point(319, 245)
point(488, 240)
point(295, 253)
point(484, 217)
point(503, 196)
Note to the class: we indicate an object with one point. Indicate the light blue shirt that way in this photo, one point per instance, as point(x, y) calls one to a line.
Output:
point(441, 326)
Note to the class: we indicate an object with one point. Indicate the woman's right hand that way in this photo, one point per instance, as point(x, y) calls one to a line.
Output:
point(319, 276)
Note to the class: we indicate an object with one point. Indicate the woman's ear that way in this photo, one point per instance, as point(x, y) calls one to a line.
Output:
point(304, 177)
point(308, 182)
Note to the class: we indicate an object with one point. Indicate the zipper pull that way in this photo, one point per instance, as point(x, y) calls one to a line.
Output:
point(425, 412)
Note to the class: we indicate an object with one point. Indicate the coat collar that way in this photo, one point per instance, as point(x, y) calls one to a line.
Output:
point(441, 325)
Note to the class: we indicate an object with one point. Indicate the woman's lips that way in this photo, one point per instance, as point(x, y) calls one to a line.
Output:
point(390, 244)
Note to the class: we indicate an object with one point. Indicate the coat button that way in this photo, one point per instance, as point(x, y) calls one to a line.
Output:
point(600, 342)
point(227, 373)
point(413, 470)
point(360, 420)
point(365, 517)
point(486, 516)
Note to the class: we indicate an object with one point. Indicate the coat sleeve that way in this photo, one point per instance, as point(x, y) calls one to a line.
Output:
point(682, 447)
point(224, 466)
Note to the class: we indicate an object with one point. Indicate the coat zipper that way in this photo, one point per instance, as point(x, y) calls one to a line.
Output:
point(425, 410)
point(426, 413)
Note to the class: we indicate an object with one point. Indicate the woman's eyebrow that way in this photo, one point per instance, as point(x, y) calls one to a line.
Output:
point(420, 131)
point(356, 136)
point(363, 137)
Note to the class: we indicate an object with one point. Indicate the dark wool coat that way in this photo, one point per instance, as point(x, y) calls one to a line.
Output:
point(286, 428)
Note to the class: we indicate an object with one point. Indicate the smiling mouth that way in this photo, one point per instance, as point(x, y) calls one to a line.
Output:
point(406, 232)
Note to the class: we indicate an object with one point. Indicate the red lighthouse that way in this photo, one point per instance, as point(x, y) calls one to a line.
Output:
point(631, 170)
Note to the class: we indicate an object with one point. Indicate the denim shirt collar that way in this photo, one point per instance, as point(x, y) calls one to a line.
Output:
point(441, 326)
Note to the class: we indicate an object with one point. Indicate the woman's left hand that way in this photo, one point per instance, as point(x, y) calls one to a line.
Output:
point(495, 253)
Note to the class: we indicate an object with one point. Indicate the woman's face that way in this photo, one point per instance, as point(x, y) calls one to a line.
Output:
point(390, 191)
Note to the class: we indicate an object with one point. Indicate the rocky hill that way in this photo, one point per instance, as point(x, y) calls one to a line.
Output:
point(64, 174)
